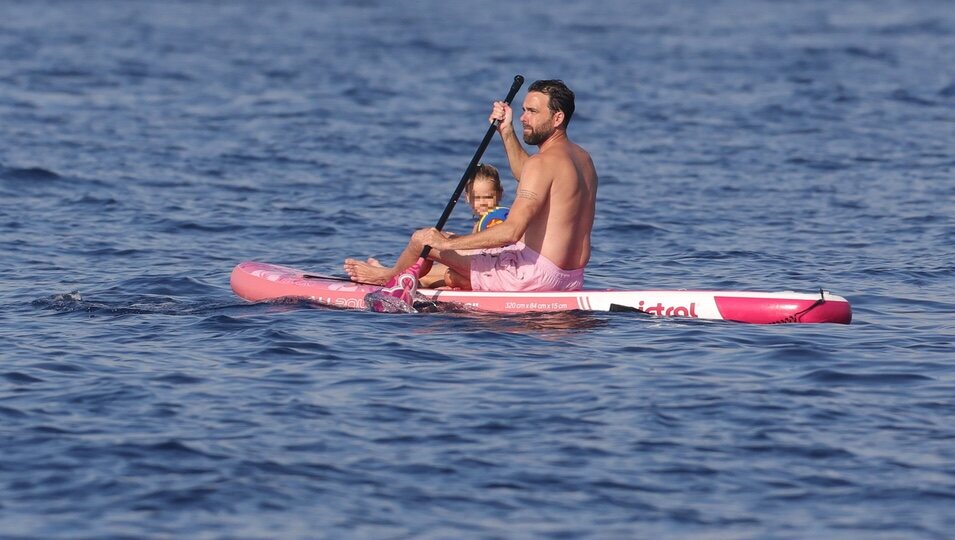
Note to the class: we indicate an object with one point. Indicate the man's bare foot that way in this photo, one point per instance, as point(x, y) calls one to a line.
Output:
point(368, 272)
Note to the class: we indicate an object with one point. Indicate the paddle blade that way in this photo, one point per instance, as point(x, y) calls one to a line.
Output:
point(398, 294)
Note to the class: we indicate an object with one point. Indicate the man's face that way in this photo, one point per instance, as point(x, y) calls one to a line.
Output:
point(537, 120)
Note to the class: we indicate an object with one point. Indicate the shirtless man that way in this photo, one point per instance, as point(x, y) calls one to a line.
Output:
point(544, 244)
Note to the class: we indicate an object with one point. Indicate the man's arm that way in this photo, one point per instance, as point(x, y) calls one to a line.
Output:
point(532, 193)
point(516, 155)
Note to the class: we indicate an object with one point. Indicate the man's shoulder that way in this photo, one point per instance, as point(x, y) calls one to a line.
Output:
point(557, 152)
point(566, 155)
point(577, 149)
point(537, 161)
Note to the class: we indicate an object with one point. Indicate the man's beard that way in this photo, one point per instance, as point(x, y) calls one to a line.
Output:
point(537, 137)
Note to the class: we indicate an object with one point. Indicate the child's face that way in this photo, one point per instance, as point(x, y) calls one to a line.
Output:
point(483, 197)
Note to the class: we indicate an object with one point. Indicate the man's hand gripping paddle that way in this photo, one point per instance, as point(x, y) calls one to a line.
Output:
point(398, 293)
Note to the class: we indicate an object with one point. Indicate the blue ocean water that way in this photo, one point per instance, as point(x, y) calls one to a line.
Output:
point(148, 147)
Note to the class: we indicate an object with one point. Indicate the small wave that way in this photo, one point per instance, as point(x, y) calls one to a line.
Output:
point(632, 228)
point(141, 70)
point(709, 255)
point(62, 72)
point(171, 225)
point(179, 379)
point(58, 300)
point(905, 96)
point(59, 367)
point(171, 448)
point(88, 199)
point(830, 376)
point(880, 55)
point(917, 28)
point(10, 412)
point(25, 174)
point(73, 302)
point(16, 377)
point(818, 164)
point(814, 451)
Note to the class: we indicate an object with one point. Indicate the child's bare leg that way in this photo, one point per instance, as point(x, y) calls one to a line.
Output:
point(434, 278)
point(374, 273)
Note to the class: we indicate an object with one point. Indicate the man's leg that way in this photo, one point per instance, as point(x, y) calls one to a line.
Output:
point(458, 275)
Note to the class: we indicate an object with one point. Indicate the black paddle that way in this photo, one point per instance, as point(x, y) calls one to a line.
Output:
point(518, 81)
point(413, 270)
point(398, 294)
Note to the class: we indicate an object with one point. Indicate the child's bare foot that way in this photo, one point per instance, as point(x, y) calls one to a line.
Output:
point(369, 271)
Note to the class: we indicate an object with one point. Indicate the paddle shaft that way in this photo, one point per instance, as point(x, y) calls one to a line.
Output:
point(518, 81)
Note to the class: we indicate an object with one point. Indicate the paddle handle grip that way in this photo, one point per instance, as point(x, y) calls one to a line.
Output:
point(518, 82)
point(511, 94)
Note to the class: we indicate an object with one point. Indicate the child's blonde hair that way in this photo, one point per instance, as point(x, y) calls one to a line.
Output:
point(484, 171)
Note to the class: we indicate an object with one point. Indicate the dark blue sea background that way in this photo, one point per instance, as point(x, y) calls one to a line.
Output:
point(148, 147)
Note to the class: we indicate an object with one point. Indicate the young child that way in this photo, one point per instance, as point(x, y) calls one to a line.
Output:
point(483, 192)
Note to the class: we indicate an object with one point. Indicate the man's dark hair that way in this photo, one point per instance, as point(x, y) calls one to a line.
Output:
point(561, 97)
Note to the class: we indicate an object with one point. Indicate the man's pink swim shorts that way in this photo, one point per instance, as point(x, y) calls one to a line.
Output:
point(521, 269)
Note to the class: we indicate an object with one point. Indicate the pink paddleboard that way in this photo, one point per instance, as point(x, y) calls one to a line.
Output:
point(257, 281)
